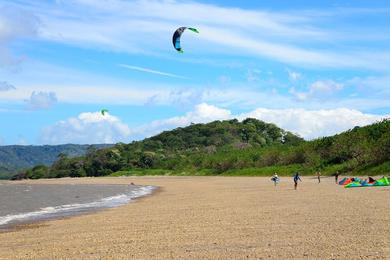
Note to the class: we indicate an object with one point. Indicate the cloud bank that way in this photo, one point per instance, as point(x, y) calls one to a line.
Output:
point(41, 100)
point(90, 128)
point(145, 26)
point(87, 128)
point(14, 23)
point(320, 89)
point(312, 124)
point(151, 71)
point(309, 124)
point(5, 86)
point(202, 113)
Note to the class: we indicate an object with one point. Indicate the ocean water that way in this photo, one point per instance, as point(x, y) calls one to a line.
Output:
point(20, 203)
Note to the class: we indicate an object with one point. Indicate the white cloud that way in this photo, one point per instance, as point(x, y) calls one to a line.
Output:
point(327, 86)
point(301, 96)
point(14, 23)
point(21, 140)
point(87, 128)
point(318, 90)
point(314, 123)
point(76, 87)
point(309, 124)
point(253, 75)
point(202, 113)
point(371, 86)
point(73, 86)
point(177, 97)
point(141, 69)
point(232, 96)
point(41, 100)
point(293, 76)
point(84, 88)
point(146, 27)
point(5, 86)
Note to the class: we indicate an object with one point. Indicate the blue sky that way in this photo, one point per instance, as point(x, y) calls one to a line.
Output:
point(315, 68)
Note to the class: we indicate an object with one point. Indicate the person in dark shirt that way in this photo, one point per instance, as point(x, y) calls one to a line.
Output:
point(296, 178)
point(336, 176)
point(275, 179)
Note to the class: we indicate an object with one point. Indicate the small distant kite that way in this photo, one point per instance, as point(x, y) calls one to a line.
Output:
point(177, 35)
point(104, 111)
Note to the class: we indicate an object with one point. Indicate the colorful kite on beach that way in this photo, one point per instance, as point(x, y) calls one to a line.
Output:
point(177, 35)
point(356, 182)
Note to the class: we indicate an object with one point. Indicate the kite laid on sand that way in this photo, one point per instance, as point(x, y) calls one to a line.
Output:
point(356, 182)
point(177, 35)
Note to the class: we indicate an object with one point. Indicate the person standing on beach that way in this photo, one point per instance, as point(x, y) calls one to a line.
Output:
point(275, 178)
point(319, 176)
point(296, 178)
point(336, 176)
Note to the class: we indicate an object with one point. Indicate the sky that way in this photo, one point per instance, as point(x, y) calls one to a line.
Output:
point(315, 68)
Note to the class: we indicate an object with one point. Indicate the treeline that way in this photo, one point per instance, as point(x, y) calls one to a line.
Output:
point(169, 150)
point(229, 147)
point(17, 157)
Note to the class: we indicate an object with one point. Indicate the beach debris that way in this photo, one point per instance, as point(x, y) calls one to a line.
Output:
point(177, 35)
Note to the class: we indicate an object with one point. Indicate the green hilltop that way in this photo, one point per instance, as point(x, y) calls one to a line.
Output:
point(250, 147)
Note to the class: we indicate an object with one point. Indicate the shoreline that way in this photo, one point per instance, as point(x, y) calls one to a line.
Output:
point(49, 209)
point(37, 223)
point(217, 217)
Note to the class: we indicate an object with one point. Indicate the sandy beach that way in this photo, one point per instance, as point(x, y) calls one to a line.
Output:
point(217, 218)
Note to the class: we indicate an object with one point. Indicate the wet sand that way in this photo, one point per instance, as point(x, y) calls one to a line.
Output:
point(217, 218)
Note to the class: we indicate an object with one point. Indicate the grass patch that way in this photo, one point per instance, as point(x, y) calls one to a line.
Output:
point(382, 169)
point(332, 169)
point(141, 172)
point(281, 170)
point(268, 171)
point(157, 172)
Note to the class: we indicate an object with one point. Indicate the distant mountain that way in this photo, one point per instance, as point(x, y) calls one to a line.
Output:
point(16, 157)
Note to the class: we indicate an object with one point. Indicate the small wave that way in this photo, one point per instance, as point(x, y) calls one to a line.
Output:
point(108, 202)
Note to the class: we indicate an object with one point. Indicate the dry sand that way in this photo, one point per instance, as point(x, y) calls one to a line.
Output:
point(218, 218)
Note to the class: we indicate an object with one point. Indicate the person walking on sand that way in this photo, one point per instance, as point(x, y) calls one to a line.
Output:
point(275, 179)
point(336, 176)
point(296, 178)
point(319, 176)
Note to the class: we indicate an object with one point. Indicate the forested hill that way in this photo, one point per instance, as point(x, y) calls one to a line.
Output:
point(171, 149)
point(249, 132)
point(17, 157)
point(250, 147)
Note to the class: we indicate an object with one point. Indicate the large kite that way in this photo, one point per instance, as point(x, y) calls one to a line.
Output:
point(104, 111)
point(177, 35)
